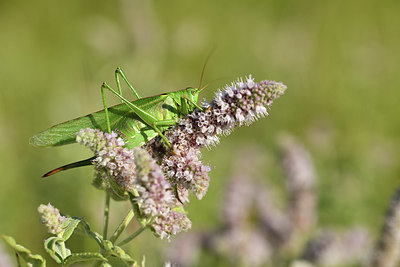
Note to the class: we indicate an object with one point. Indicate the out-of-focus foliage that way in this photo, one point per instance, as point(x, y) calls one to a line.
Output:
point(340, 60)
point(255, 231)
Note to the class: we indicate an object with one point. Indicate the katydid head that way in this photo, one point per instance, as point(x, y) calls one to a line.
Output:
point(186, 100)
point(192, 94)
point(189, 98)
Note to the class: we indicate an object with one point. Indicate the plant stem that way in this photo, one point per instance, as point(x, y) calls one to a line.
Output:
point(122, 226)
point(106, 215)
point(132, 236)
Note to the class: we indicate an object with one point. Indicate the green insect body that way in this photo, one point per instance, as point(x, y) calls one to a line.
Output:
point(165, 108)
point(137, 122)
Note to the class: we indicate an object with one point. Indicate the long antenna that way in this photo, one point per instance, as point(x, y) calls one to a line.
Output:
point(205, 64)
point(207, 84)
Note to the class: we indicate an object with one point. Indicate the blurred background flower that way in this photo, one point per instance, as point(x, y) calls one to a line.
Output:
point(339, 59)
point(256, 231)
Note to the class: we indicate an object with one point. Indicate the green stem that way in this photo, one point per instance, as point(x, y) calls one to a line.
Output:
point(132, 236)
point(106, 215)
point(122, 226)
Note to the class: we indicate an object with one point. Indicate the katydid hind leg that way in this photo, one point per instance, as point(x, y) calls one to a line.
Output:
point(119, 72)
point(119, 95)
point(116, 74)
point(105, 107)
point(145, 116)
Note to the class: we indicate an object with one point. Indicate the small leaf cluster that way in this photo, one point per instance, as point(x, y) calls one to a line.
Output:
point(56, 246)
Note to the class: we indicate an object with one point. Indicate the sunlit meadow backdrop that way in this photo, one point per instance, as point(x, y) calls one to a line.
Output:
point(339, 59)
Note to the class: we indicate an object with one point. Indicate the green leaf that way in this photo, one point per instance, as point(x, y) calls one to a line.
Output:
point(55, 246)
point(85, 256)
point(33, 259)
point(96, 236)
point(112, 250)
point(120, 253)
point(69, 225)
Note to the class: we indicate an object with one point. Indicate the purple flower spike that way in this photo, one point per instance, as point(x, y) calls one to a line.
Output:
point(155, 197)
point(154, 191)
point(122, 170)
point(113, 162)
point(239, 104)
point(171, 223)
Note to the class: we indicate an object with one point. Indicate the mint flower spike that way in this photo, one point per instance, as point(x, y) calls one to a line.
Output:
point(155, 198)
point(171, 223)
point(50, 216)
point(154, 192)
point(239, 104)
point(122, 170)
point(114, 164)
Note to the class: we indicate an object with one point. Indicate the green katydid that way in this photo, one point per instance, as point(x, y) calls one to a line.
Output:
point(137, 122)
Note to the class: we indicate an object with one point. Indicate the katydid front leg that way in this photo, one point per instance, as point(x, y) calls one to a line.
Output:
point(193, 103)
point(163, 123)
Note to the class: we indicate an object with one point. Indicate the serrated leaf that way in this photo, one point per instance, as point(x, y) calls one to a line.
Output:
point(69, 225)
point(56, 248)
point(85, 256)
point(96, 236)
point(34, 260)
point(120, 253)
point(112, 250)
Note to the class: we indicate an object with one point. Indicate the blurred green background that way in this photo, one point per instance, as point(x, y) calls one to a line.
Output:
point(339, 59)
